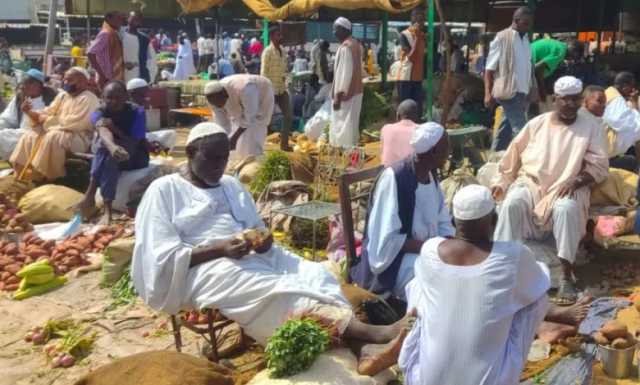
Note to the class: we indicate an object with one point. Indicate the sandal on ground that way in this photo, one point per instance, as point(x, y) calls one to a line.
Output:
point(567, 294)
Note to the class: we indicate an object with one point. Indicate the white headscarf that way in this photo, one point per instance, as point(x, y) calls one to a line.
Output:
point(426, 136)
point(473, 202)
point(343, 22)
point(567, 85)
point(205, 129)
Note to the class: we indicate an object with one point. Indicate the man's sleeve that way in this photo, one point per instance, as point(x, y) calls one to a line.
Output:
point(344, 71)
point(152, 64)
point(512, 161)
point(596, 159)
point(98, 45)
point(494, 55)
point(250, 100)
point(533, 279)
point(265, 63)
point(139, 128)
point(95, 116)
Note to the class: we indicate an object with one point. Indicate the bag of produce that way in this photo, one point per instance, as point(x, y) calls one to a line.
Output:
point(115, 259)
point(50, 203)
point(460, 178)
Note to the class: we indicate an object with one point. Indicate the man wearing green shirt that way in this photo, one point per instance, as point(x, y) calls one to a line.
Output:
point(548, 54)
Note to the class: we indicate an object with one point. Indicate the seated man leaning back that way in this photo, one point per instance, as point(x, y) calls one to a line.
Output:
point(407, 209)
point(64, 126)
point(547, 174)
point(189, 254)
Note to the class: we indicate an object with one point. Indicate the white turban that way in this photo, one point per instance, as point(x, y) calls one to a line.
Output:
point(426, 136)
point(136, 83)
point(567, 85)
point(473, 202)
point(205, 129)
point(343, 22)
point(213, 87)
point(81, 71)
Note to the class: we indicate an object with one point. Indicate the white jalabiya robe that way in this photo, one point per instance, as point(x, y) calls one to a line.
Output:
point(259, 291)
point(345, 122)
point(130, 54)
point(625, 121)
point(475, 323)
point(184, 62)
point(430, 219)
point(10, 129)
point(250, 105)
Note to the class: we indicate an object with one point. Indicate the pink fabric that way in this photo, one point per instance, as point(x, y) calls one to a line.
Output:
point(255, 48)
point(100, 48)
point(395, 141)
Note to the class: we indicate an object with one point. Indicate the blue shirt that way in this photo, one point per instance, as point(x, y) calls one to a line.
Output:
point(131, 120)
point(225, 68)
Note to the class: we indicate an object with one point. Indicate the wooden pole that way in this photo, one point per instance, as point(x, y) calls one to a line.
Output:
point(384, 63)
point(430, 47)
point(51, 33)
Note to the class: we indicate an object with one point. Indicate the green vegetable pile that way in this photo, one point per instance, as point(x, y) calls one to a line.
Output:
point(276, 166)
point(123, 292)
point(374, 108)
point(295, 346)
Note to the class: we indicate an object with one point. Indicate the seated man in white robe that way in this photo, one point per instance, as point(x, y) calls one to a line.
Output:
point(243, 105)
point(189, 254)
point(13, 121)
point(479, 302)
point(407, 209)
point(622, 118)
point(546, 177)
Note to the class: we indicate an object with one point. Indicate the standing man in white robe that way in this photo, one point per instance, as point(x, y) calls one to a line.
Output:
point(479, 302)
point(139, 54)
point(184, 60)
point(347, 88)
point(408, 208)
point(191, 253)
point(243, 105)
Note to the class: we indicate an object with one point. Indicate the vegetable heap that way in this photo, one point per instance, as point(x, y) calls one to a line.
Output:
point(276, 166)
point(74, 341)
point(295, 346)
point(37, 278)
point(123, 292)
point(11, 220)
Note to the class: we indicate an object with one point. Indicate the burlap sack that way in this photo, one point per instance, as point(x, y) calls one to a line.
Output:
point(115, 259)
point(159, 368)
point(50, 203)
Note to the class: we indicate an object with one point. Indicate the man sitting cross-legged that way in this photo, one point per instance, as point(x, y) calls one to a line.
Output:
point(189, 253)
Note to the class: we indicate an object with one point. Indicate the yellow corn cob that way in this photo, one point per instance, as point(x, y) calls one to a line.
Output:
point(36, 268)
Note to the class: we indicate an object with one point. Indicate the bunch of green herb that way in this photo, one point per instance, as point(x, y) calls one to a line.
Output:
point(295, 346)
point(276, 166)
point(123, 292)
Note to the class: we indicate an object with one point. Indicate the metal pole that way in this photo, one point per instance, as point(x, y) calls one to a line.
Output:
point(600, 26)
point(469, 14)
point(430, 46)
point(88, 22)
point(265, 32)
point(384, 64)
point(51, 33)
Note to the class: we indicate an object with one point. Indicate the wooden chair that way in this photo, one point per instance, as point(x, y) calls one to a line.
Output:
point(346, 200)
point(208, 333)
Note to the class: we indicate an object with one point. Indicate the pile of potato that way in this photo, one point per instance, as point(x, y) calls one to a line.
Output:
point(11, 220)
point(63, 256)
point(614, 334)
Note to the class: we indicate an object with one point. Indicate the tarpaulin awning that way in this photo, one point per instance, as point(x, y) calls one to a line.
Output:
point(265, 9)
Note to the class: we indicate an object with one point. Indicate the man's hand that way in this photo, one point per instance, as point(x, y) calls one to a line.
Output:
point(105, 122)
point(568, 188)
point(497, 192)
point(119, 153)
point(265, 246)
point(489, 101)
point(337, 101)
point(26, 106)
point(236, 248)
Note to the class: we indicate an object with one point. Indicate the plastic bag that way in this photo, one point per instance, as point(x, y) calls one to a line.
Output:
point(50, 203)
point(316, 125)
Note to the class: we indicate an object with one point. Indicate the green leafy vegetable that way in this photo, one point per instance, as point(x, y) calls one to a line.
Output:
point(123, 292)
point(276, 166)
point(295, 346)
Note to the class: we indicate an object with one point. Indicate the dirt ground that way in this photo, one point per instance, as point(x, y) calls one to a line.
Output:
point(120, 332)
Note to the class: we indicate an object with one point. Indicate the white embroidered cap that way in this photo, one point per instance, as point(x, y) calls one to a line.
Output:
point(473, 202)
point(205, 129)
point(426, 136)
point(343, 22)
point(136, 83)
point(213, 87)
point(567, 85)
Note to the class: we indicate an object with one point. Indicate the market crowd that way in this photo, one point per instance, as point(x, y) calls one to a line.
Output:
point(466, 267)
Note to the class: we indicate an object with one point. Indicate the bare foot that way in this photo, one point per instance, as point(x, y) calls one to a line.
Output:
point(86, 207)
point(105, 220)
point(552, 332)
point(376, 358)
point(391, 331)
point(570, 315)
